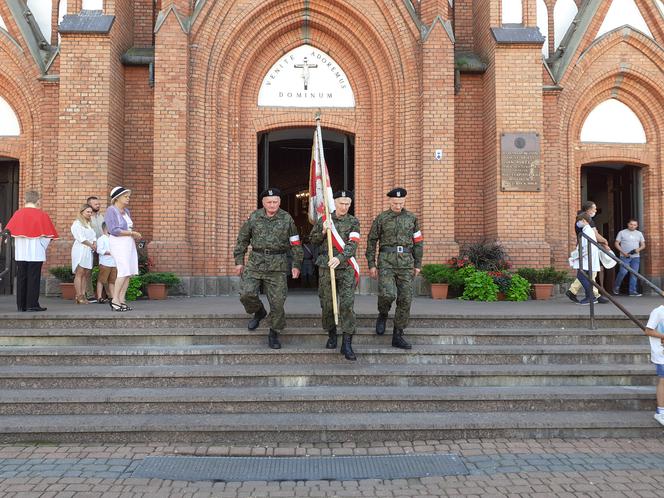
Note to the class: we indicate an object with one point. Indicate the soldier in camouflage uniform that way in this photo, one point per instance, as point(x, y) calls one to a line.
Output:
point(398, 235)
point(348, 227)
point(272, 234)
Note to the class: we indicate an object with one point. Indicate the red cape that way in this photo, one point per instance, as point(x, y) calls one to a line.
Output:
point(31, 223)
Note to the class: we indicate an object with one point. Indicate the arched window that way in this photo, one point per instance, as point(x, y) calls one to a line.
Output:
point(93, 4)
point(512, 12)
point(543, 25)
point(9, 125)
point(613, 122)
point(620, 13)
point(564, 13)
point(2, 24)
point(41, 11)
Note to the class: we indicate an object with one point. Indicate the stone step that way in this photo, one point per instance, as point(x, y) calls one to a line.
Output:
point(105, 319)
point(340, 374)
point(225, 355)
point(270, 428)
point(323, 399)
point(314, 336)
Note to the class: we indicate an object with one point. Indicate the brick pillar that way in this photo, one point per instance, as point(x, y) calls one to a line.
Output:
point(170, 247)
point(437, 214)
point(518, 218)
point(84, 132)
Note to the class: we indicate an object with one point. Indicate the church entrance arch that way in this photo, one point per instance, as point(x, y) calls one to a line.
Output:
point(284, 158)
point(617, 189)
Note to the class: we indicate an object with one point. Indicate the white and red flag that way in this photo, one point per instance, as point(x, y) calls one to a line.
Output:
point(320, 193)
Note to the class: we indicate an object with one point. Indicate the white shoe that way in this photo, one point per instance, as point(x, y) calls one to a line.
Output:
point(660, 418)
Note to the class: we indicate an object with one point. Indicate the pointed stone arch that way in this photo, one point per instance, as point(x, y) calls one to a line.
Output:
point(226, 78)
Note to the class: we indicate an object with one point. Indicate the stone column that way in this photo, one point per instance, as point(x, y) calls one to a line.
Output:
point(170, 247)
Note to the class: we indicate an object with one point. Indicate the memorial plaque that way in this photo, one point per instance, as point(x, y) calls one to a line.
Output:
point(520, 162)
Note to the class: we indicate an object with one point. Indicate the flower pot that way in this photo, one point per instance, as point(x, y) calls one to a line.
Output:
point(542, 291)
point(157, 291)
point(439, 291)
point(501, 296)
point(67, 290)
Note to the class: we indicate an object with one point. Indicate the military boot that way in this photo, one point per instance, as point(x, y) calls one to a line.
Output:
point(398, 341)
point(381, 321)
point(347, 347)
point(332, 339)
point(273, 339)
point(258, 316)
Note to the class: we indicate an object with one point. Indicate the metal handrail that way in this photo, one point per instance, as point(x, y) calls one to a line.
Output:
point(4, 242)
point(602, 290)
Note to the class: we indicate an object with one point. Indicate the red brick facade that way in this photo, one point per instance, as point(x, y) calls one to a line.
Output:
point(181, 128)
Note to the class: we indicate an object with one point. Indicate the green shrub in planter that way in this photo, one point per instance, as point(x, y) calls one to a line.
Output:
point(437, 273)
point(168, 278)
point(479, 286)
point(62, 273)
point(518, 290)
point(547, 275)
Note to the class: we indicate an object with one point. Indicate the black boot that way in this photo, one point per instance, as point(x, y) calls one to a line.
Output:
point(273, 339)
point(258, 316)
point(331, 339)
point(398, 341)
point(347, 347)
point(381, 321)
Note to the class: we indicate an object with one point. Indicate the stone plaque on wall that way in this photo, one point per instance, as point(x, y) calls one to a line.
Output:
point(520, 162)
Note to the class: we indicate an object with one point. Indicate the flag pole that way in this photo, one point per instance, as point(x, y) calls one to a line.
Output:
point(330, 253)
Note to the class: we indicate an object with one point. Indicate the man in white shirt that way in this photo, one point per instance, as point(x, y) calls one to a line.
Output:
point(630, 243)
point(655, 331)
point(32, 230)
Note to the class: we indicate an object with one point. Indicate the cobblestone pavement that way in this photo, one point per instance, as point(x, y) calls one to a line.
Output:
point(585, 467)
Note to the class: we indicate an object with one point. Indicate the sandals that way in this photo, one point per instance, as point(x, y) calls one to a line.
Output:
point(117, 307)
point(81, 300)
point(126, 307)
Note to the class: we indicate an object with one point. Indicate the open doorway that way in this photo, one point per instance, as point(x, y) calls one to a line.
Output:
point(618, 192)
point(8, 205)
point(284, 157)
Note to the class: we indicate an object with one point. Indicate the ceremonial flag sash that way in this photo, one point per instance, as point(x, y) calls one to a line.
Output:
point(320, 192)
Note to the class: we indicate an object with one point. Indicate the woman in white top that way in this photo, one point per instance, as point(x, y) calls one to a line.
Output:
point(81, 252)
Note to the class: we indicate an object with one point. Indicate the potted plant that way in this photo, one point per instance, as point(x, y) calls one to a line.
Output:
point(438, 276)
point(66, 278)
point(157, 283)
point(542, 280)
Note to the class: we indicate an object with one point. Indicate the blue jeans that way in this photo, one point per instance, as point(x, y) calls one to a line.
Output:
point(634, 265)
point(587, 286)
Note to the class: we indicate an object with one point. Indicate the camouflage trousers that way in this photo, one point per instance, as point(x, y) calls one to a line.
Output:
point(275, 285)
point(396, 283)
point(345, 299)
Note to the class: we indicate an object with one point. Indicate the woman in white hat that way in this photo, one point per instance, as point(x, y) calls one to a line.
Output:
point(123, 247)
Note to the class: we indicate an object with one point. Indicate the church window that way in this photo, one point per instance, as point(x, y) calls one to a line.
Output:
point(512, 12)
point(564, 13)
point(623, 12)
point(613, 122)
point(8, 121)
point(93, 4)
point(41, 11)
point(2, 24)
point(543, 25)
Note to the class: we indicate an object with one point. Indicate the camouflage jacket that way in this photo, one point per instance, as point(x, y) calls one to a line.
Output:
point(349, 230)
point(276, 233)
point(391, 229)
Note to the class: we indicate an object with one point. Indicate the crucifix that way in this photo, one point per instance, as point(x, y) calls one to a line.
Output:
point(305, 71)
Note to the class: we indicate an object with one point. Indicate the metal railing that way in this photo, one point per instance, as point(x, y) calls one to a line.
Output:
point(602, 290)
point(5, 247)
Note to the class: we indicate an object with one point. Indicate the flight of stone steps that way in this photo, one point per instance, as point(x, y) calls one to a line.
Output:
point(209, 379)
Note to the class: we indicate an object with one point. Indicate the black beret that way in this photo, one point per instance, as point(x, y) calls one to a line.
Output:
point(397, 192)
point(269, 192)
point(343, 193)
